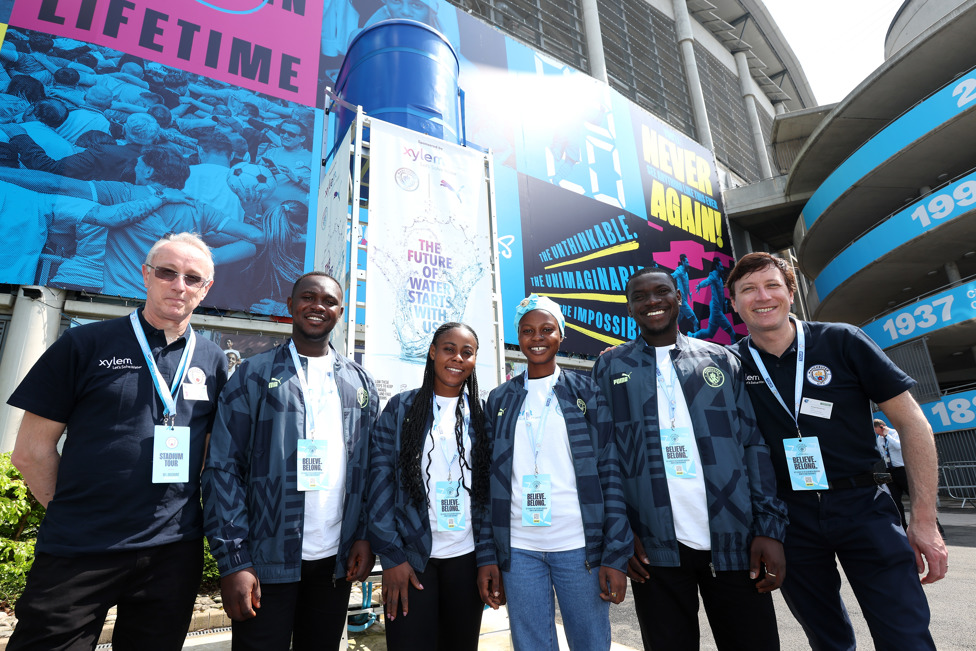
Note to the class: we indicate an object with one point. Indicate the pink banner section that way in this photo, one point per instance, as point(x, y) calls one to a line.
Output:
point(270, 46)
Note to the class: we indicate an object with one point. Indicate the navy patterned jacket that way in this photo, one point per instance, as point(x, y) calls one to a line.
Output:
point(607, 533)
point(398, 530)
point(252, 509)
point(740, 484)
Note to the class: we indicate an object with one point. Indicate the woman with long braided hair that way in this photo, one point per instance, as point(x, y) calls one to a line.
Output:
point(429, 463)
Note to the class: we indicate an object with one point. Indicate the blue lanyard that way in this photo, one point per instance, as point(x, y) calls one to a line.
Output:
point(798, 384)
point(464, 434)
point(159, 382)
point(535, 439)
point(672, 404)
point(303, 383)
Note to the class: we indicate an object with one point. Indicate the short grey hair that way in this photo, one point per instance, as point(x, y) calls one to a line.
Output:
point(184, 238)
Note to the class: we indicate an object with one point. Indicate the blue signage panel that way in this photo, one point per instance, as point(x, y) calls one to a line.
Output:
point(956, 305)
point(951, 202)
point(944, 105)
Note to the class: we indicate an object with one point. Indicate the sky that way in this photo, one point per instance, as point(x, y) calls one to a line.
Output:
point(838, 42)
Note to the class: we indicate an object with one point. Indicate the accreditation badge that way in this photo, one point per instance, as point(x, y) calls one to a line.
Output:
point(449, 502)
point(676, 444)
point(171, 455)
point(536, 501)
point(805, 464)
point(312, 472)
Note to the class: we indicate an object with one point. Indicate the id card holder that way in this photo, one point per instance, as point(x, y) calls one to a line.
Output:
point(805, 464)
point(450, 506)
point(676, 449)
point(312, 473)
point(171, 455)
point(818, 408)
point(536, 501)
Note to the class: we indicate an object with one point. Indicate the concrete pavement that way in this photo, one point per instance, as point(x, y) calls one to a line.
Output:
point(951, 601)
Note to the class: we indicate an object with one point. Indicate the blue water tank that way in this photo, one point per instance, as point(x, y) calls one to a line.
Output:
point(403, 72)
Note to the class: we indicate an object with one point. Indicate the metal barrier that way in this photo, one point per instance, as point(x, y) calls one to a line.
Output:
point(957, 446)
point(959, 479)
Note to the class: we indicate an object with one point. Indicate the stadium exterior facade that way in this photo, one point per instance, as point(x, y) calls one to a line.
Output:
point(873, 194)
point(720, 73)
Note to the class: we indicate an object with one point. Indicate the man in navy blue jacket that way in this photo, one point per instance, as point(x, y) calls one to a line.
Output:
point(812, 385)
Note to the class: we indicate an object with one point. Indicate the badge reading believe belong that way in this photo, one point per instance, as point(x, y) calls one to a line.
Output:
point(450, 506)
point(312, 472)
point(675, 446)
point(171, 455)
point(536, 504)
point(805, 464)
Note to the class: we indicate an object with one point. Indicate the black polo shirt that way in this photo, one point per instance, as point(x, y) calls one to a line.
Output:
point(843, 366)
point(95, 379)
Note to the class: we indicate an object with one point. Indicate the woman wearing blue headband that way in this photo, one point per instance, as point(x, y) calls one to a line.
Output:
point(428, 483)
point(554, 465)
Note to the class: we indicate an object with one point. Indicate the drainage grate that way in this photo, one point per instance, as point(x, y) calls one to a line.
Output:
point(208, 631)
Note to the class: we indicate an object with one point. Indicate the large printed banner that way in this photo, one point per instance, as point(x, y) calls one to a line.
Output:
point(581, 251)
point(102, 152)
point(208, 107)
point(333, 237)
point(269, 47)
point(429, 254)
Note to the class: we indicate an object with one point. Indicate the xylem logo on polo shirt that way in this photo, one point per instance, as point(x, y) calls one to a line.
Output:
point(117, 363)
point(752, 378)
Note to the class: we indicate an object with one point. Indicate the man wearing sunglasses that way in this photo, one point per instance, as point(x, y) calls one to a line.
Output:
point(135, 399)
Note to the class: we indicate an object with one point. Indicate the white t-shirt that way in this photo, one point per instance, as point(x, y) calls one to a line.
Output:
point(689, 504)
point(439, 460)
point(556, 460)
point(323, 508)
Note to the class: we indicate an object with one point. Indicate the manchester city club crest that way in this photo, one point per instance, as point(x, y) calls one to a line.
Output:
point(714, 377)
point(819, 375)
point(363, 397)
point(407, 179)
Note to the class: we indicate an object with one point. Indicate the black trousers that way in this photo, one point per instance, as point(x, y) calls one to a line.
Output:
point(667, 607)
point(307, 614)
point(66, 599)
point(446, 614)
point(898, 488)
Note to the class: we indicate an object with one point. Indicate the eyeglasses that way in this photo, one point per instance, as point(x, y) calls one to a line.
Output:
point(291, 134)
point(169, 275)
